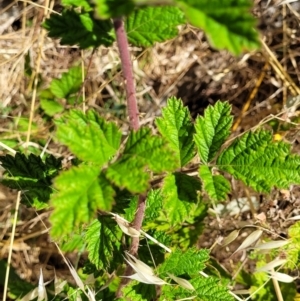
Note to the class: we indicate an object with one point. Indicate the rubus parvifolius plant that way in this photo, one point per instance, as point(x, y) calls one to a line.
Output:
point(131, 201)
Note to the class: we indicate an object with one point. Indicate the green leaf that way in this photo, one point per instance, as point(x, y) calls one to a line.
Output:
point(141, 150)
point(138, 292)
point(51, 107)
point(81, 191)
point(81, 28)
point(261, 163)
point(69, 83)
point(190, 262)
point(148, 25)
point(78, 3)
point(129, 172)
point(32, 176)
point(88, 136)
point(152, 149)
point(212, 130)
point(154, 205)
point(176, 127)
point(180, 197)
point(228, 24)
point(103, 238)
point(106, 9)
point(216, 186)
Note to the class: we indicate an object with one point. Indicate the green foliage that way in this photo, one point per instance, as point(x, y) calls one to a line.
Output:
point(103, 239)
point(32, 175)
point(81, 191)
point(190, 262)
point(227, 23)
point(153, 24)
point(81, 28)
point(176, 127)
point(216, 186)
point(259, 162)
point(179, 203)
point(212, 130)
point(106, 9)
point(138, 291)
point(88, 136)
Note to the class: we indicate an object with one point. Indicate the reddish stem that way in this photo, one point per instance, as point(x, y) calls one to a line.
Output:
point(122, 42)
point(133, 114)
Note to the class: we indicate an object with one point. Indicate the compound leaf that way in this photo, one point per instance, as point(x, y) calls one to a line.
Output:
point(190, 262)
point(69, 83)
point(176, 127)
point(80, 28)
point(81, 191)
point(148, 25)
point(88, 136)
point(31, 175)
point(179, 201)
point(261, 163)
point(216, 186)
point(103, 238)
point(212, 130)
point(228, 24)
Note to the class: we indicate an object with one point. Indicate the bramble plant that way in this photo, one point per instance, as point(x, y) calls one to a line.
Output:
point(132, 202)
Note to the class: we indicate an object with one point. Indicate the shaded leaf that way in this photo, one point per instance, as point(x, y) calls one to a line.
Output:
point(106, 9)
point(216, 186)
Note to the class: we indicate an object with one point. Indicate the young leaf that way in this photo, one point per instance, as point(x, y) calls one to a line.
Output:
point(179, 201)
point(103, 238)
point(152, 149)
point(106, 9)
point(51, 107)
point(190, 262)
point(88, 136)
point(81, 28)
point(148, 25)
point(176, 127)
point(212, 130)
point(259, 162)
point(141, 150)
point(31, 175)
point(84, 4)
point(81, 191)
point(216, 186)
point(69, 83)
point(227, 23)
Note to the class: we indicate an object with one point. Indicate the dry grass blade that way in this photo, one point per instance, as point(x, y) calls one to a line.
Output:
point(271, 245)
point(272, 265)
point(253, 237)
point(230, 238)
point(282, 277)
point(182, 282)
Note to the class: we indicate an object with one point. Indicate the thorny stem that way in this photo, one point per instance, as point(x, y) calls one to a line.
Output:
point(123, 47)
point(133, 114)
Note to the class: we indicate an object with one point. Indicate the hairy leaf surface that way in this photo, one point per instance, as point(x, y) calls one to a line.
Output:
point(32, 175)
point(228, 24)
point(261, 163)
point(212, 130)
point(80, 28)
point(103, 238)
point(190, 262)
point(88, 136)
point(148, 25)
point(81, 191)
point(216, 186)
point(176, 127)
